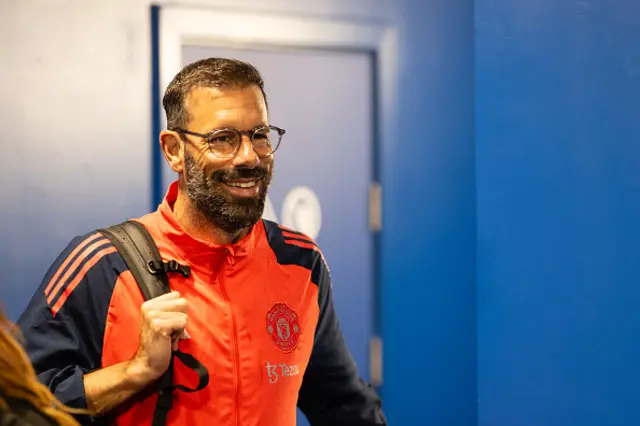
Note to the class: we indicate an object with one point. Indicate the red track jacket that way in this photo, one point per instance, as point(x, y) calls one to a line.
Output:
point(261, 319)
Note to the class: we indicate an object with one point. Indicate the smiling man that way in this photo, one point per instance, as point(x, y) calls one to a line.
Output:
point(255, 308)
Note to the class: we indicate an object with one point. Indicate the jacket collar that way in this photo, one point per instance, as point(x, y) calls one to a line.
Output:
point(189, 246)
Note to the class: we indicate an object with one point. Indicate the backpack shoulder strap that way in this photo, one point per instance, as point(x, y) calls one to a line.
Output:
point(141, 255)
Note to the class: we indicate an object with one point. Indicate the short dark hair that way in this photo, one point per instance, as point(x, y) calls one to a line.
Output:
point(210, 72)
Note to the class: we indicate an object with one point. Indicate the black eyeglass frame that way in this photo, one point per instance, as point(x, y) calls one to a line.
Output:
point(250, 133)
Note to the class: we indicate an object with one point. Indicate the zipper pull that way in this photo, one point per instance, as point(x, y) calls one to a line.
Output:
point(230, 259)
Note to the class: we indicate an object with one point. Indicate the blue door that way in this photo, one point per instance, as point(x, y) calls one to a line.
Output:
point(323, 169)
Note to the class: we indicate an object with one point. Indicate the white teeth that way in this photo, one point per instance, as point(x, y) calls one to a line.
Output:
point(242, 184)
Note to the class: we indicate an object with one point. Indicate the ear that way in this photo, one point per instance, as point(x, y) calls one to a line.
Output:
point(172, 150)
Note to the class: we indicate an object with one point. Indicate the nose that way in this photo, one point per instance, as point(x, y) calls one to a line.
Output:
point(246, 156)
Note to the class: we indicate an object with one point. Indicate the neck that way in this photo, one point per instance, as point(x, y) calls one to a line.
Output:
point(199, 226)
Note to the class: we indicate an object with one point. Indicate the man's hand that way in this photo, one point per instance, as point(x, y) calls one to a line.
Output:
point(162, 321)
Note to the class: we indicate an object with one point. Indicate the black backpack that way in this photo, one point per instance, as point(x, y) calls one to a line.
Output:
point(141, 255)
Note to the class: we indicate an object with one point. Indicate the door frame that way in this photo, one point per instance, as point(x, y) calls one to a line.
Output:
point(172, 26)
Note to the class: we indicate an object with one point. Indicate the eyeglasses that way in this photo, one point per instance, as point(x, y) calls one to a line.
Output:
point(225, 143)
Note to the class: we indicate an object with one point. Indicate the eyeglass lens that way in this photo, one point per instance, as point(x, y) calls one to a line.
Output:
point(225, 142)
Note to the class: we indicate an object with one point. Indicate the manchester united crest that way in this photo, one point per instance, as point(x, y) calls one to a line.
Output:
point(282, 325)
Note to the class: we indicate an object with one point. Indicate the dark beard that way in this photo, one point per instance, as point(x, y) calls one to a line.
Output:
point(209, 195)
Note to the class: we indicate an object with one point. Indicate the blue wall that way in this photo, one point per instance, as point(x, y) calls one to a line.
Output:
point(558, 178)
point(429, 219)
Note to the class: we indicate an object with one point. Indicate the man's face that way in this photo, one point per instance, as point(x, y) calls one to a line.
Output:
point(231, 192)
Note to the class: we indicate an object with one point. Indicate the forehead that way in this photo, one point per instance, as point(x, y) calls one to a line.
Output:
point(212, 107)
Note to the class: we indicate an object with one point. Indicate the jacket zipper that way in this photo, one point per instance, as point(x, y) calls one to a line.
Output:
point(236, 350)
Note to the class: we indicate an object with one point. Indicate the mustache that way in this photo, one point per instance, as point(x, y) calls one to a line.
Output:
point(239, 173)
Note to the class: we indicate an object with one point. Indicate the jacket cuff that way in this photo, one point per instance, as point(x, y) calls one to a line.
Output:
point(67, 385)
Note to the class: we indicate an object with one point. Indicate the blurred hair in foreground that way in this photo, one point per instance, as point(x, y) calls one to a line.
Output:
point(19, 384)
